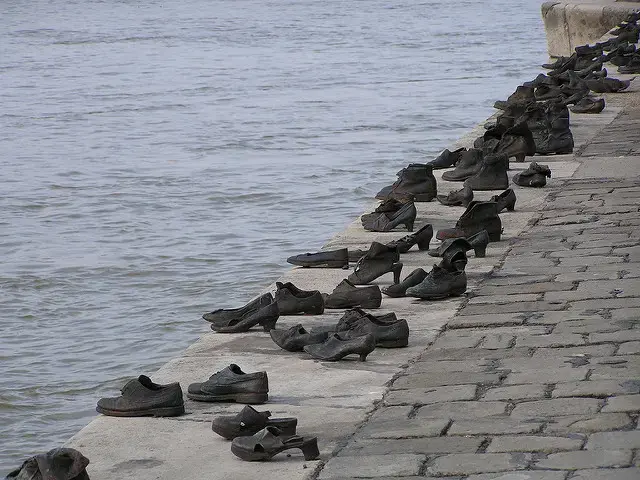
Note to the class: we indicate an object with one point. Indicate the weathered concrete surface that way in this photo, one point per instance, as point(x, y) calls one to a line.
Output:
point(518, 394)
point(579, 22)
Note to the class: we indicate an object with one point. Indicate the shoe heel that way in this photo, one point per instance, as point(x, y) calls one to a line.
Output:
point(409, 225)
point(480, 251)
point(396, 269)
point(287, 426)
point(520, 157)
point(363, 357)
point(494, 237)
point(310, 449)
point(424, 244)
point(251, 398)
point(271, 324)
point(511, 206)
point(423, 197)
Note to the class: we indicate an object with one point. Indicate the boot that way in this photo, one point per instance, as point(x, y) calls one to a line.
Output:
point(556, 137)
point(492, 175)
point(534, 176)
point(385, 222)
point(447, 159)
point(468, 165)
point(607, 85)
point(417, 180)
point(440, 283)
point(455, 198)
point(478, 216)
point(506, 199)
point(516, 141)
point(379, 260)
point(422, 238)
point(523, 94)
point(477, 242)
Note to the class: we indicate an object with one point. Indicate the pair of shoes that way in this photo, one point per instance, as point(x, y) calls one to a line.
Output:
point(477, 217)
point(231, 384)
point(415, 181)
point(388, 331)
point(380, 259)
point(347, 295)
point(534, 176)
point(385, 222)
point(143, 398)
point(339, 345)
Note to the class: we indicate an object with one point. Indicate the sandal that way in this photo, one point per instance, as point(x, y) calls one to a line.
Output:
point(269, 441)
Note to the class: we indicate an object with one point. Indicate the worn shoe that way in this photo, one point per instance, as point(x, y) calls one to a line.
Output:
point(422, 238)
point(375, 263)
point(141, 397)
point(266, 316)
point(607, 85)
point(339, 346)
point(293, 301)
point(296, 337)
point(249, 421)
point(440, 284)
point(588, 104)
point(456, 198)
point(478, 216)
point(447, 159)
point(56, 464)
point(385, 222)
point(492, 174)
point(469, 164)
point(387, 335)
point(352, 316)
point(534, 176)
point(416, 180)
point(347, 295)
point(506, 199)
point(270, 441)
point(332, 259)
point(400, 289)
point(231, 385)
point(223, 316)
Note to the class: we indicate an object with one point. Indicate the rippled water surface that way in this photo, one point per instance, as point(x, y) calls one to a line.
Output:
point(162, 158)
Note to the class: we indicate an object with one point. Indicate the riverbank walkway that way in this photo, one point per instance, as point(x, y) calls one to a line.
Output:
point(533, 375)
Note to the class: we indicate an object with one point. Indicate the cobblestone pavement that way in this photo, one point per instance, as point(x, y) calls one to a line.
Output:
point(537, 377)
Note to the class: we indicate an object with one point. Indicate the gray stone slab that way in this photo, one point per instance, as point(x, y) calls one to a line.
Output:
point(494, 426)
point(424, 396)
point(533, 443)
point(567, 374)
point(520, 475)
point(503, 299)
point(434, 365)
point(528, 288)
point(470, 321)
point(612, 303)
point(515, 392)
point(427, 380)
point(623, 403)
point(559, 406)
point(588, 423)
point(619, 336)
point(551, 340)
point(614, 440)
point(591, 350)
point(424, 445)
point(629, 348)
point(469, 463)
point(608, 474)
point(590, 325)
point(595, 388)
point(410, 428)
point(511, 308)
point(461, 410)
point(584, 459)
point(372, 466)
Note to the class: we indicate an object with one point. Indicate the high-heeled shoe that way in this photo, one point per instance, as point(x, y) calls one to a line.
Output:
point(400, 289)
point(380, 259)
point(506, 199)
point(270, 441)
point(266, 316)
point(296, 337)
point(249, 421)
point(478, 216)
point(422, 238)
point(386, 222)
point(338, 346)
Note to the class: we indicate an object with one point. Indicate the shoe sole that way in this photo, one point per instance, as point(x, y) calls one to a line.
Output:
point(333, 264)
point(149, 412)
point(443, 296)
point(393, 343)
point(249, 398)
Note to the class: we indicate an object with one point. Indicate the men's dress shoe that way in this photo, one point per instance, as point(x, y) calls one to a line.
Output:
point(400, 289)
point(439, 284)
point(338, 346)
point(270, 441)
point(416, 180)
point(296, 337)
point(607, 85)
point(534, 176)
point(141, 397)
point(422, 238)
point(231, 385)
point(249, 421)
point(352, 316)
point(446, 159)
point(347, 295)
point(331, 259)
point(506, 199)
point(588, 104)
point(56, 464)
point(224, 316)
point(477, 217)
point(387, 335)
point(266, 316)
point(385, 222)
point(456, 198)
point(293, 301)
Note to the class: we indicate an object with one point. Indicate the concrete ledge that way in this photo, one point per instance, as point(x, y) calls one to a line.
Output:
point(569, 25)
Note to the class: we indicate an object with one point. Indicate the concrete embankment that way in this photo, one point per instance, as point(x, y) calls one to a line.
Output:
point(332, 400)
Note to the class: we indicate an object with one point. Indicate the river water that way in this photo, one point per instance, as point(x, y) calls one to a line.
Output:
point(160, 159)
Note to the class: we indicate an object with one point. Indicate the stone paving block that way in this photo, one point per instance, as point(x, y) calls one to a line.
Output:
point(558, 406)
point(427, 380)
point(584, 459)
point(526, 364)
point(494, 426)
point(607, 474)
point(457, 339)
point(503, 299)
point(470, 321)
point(475, 353)
point(511, 308)
point(623, 403)
point(625, 241)
point(552, 375)
point(605, 303)
point(409, 428)
point(575, 295)
point(614, 440)
point(595, 388)
point(591, 350)
point(550, 340)
point(515, 392)
point(465, 410)
point(521, 475)
point(588, 275)
point(524, 288)
point(373, 466)
point(554, 318)
point(591, 325)
point(424, 396)
point(614, 372)
point(516, 280)
point(620, 336)
point(527, 260)
point(622, 287)
point(444, 366)
point(599, 251)
point(391, 414)
point(426, 445)
point(469, 463)
point(629, 348)
point(600, 422)
point(498, 341)
point(631, 314)
point(533, 443)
